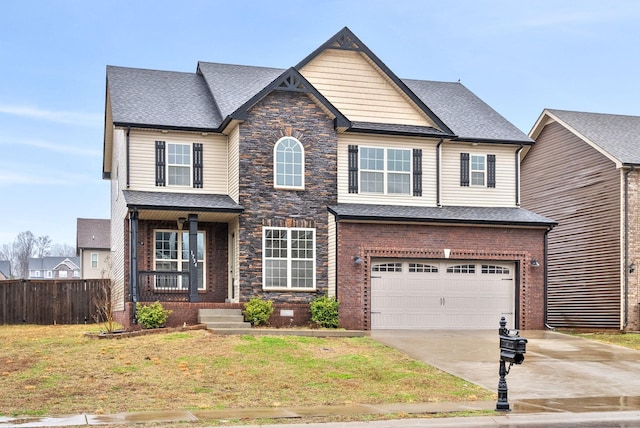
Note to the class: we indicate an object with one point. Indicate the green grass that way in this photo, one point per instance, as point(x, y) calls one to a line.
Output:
point(628, 340)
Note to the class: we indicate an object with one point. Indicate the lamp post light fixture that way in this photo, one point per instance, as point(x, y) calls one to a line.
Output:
point(357, 260)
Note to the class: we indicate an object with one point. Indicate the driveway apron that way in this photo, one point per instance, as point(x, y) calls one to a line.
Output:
point(556, 365)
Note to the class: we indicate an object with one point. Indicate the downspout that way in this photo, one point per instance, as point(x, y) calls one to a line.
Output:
point(133, 260)
point(127, 144)
point(518, 175)
point(626, 246)
point(438, 184)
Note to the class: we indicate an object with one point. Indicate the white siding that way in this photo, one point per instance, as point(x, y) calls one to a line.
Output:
point(503, 195)
point(142, 157)
point(104, 260)
point(118, 216)
point(428, 147)
point(331, 259)
point(360, 90)
point(234, 164)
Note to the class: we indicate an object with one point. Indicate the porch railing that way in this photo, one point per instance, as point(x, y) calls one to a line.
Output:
point(163, 286)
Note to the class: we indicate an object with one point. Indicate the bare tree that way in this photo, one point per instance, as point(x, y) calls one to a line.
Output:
point(43, 246)
point(24, 247)
point(63, 250)
point(7, 252)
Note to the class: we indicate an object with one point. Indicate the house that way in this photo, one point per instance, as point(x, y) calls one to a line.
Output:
point(583, 172)
point(54, 267)
point(93, 246)
point(332, 177)
point(5, 269)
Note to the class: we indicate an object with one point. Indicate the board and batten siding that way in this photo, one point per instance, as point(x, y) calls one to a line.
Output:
point(356, 87)
point(566, 179)
point(119, 215)
point(428, 147)
point(453, 194)
point(214, 159)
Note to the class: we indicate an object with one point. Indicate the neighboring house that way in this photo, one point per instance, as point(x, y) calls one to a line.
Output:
point(93, 246)
point(584, 172)
point(5, 269)
point(54, 268)
point(333, 177)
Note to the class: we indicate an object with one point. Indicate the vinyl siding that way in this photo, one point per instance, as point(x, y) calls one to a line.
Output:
point(503, 195)
point(142, 157)
point(234, 164)
point(359, 90)
point(567, 180)
point(428, 147)
point(102, 271)
point(118, 218)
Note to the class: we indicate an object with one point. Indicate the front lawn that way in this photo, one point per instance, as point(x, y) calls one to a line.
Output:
point(55, 370)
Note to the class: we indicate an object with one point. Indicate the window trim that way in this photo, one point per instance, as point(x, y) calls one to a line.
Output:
point(288, 258)
point(473, 170)
point(277, 166)
point(179, 261)
point(188, 165)
point(91, 260)
point(385, 171)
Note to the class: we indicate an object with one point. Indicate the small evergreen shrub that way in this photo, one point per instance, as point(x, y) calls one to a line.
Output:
point(324, 312)
point(152, 316)
point(257, 311)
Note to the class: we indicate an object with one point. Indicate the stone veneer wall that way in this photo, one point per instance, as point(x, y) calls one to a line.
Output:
point(284, 114)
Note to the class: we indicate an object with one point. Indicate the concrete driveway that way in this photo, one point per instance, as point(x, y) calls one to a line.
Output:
point(555, 366)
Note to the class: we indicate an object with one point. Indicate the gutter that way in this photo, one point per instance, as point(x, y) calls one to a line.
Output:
point(518, 174)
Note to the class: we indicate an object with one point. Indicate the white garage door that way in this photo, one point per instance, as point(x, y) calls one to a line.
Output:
point(437, 294)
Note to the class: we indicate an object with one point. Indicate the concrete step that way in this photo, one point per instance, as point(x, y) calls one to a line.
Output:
point(224, 319)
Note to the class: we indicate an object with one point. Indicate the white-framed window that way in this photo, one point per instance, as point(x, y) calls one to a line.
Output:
point(172, 255)
point(289, 258)
point(493, 269)
point(478, 170)
point(462, 269)
point(385, 171)
point(422, 268)
point(49, 274)
point(94, 260)
point(62, 274)
point(387, 267)
point(179, 164)
point(76, 274)
point(36, 274)
point(288, 171)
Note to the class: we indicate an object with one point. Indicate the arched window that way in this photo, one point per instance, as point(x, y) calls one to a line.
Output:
point(288, 163)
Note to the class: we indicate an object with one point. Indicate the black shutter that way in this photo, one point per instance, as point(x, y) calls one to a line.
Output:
point(491, 170)
point(417, 172)
point(160, 163)
point(353, 168)
point(464, 169)
point(197, 165)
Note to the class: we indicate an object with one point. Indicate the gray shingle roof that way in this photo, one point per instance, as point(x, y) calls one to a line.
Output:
point(93, 233)
point(161, 98)
point(468, 215)
point(618, 135)
point(234, 85)
point(180, 201)
point(51, 262)
point(5, 268)
point(467, 115)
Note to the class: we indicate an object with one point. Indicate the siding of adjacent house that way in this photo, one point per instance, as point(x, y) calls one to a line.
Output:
point(142, 157)
point(331, 259)
point(99, 272)
point(359, 90)
point(234, 163)
point(118, 219)
point(566, 179)
point(453, 194)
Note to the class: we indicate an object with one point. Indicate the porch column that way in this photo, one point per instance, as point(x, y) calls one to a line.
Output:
point(133, 256)
point(193, 258)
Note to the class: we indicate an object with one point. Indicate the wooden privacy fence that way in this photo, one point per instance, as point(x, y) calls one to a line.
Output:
point(46, 302)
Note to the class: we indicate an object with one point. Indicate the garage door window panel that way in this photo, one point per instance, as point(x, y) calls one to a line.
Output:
point(492, 269)
point(422, 268)
point(387, 267)
point(462, 269)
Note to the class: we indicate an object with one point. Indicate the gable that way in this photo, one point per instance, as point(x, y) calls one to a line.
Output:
point(359, 89)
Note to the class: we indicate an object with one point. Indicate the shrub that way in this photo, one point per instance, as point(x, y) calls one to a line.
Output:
point(258, 311)
point(152, 316)
point(324, 311)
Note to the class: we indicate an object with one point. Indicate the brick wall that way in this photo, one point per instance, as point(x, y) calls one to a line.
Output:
point(284, 114)
point(423, 241)
point(633, 287)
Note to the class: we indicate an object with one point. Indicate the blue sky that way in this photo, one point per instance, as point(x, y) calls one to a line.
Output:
point(518, 56)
